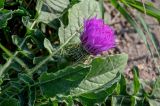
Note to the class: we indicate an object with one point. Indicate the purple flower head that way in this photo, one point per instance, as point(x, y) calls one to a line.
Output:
point(97, 36)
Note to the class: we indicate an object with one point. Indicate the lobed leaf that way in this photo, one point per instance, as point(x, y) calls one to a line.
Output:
point(5, 15)
point(76, 15)
point(10, 102)
point(48, 46)
point(48, 10)
point(61, 82)
point(103, 70)
point(79, 80)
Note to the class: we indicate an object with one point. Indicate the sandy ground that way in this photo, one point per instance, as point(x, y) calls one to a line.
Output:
point(128, 41)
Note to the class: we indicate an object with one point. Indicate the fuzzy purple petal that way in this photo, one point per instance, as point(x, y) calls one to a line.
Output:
point(97, 36)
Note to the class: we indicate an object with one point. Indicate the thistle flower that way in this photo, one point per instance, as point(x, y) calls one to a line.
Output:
point(97, 36)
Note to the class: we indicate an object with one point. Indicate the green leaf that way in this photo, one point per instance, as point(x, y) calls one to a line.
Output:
point(27, 22)
point(153, 102)
point(26, 79)
point(17, 87)
point(101, 80)
point(76, 15)
point(143, 7)
point(99, 95)
point(123, 87)
point(133, 101)
point(48, 10)
point(37, 37)
point(69, 101)
point(101, 4)
point(120, 101)
point(48, 46)
point(31, 91)
point(61, 82)
point(32, 96)
point(72, 2)
point(13, 89)
point(136, 80)
point(78, 80)
point(156, 89)
point(10, 102)
point(2, 3)
point(1, 81)
point(18, 41)
point(103, 71)
point(5, 15)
